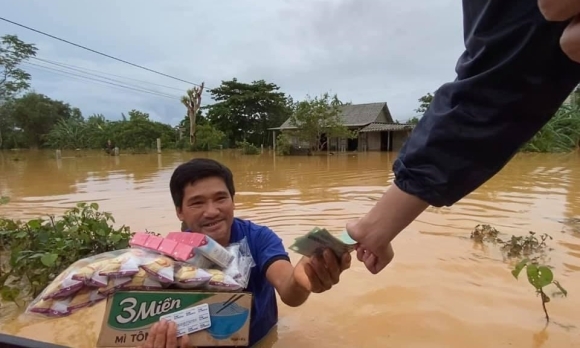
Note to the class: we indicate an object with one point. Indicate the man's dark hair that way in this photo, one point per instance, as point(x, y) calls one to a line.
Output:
point(195, 170)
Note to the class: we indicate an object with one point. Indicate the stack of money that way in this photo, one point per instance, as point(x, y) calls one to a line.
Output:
point(318, 239)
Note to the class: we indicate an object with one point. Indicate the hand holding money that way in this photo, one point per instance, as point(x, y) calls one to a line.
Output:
point(326, 257)
point(319, 239)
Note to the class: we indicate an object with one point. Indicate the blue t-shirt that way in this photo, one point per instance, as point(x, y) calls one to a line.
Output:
point(266, 247)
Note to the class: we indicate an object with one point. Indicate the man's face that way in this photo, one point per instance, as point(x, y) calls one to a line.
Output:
point(208, 208)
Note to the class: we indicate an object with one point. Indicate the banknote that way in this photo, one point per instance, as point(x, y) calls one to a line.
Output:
point(319, 239)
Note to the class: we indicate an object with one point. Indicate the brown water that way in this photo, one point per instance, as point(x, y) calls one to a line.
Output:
point(440, 291)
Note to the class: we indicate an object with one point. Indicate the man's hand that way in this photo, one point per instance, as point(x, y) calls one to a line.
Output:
point(320, 272)
point(563, 10)
point(164, 335)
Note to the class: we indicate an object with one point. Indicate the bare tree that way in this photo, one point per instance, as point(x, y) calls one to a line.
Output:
point(192, 102)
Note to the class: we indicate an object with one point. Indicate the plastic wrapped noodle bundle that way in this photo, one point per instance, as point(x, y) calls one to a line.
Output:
point(95, 277)
point(90, 280)
point(160, 267)
point(124, 265)
point(85, 297)
point(142, 281)
point(191, 277)
point(113, 285)
point(220, 281)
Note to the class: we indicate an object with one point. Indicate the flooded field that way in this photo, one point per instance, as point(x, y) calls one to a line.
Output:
point(442, 290)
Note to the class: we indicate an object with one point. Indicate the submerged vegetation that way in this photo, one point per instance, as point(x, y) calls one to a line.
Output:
point(528, 250)
point(34, 252)
point(560, 134)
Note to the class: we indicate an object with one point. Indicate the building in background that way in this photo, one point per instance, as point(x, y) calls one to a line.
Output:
point(376, 130)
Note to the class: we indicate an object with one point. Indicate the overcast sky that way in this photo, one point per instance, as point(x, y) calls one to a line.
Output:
point(363, 50)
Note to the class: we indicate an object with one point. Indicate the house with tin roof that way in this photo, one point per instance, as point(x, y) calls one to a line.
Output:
point(375, 126)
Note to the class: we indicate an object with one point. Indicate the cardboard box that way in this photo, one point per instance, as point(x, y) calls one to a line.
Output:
point(130, 314)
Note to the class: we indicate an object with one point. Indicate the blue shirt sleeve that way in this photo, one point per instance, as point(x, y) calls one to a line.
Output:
point(269, 248)
point(511, 79)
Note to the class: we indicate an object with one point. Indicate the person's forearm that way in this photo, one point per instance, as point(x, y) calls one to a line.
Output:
point(390, 215)
point(291, 293)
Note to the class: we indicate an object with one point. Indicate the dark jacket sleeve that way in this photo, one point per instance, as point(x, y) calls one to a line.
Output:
point(511, 79)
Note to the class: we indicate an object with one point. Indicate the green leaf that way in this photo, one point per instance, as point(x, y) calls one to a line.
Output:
point(94, 206)
point(532, 273)
point(49, 259)
point(34, 224)
point(116, 238)
point(20, 234)
point(100, 232)
point(516, 271)
point(43, 237)
point(545, 276)
point(560, 288)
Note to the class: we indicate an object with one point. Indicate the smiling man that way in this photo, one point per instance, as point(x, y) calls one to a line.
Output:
point(203, 194)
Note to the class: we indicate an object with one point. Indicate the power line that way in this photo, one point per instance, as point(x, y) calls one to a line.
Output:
point(80, 69)
point(72, 75)
point(85, 71)
point(89, 79)
point(97, 52)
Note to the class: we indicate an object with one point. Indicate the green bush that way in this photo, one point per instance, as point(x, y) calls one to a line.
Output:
point(560, 134)
point(248, 148)
point(34, 252)
point(283, 144)
point(528, 251)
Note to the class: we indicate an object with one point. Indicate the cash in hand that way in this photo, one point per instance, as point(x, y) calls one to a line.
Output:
point(319, 239)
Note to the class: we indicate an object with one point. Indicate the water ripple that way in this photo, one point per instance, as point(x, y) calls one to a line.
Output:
point(451, 291)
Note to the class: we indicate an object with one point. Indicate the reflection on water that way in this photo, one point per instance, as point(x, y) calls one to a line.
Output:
point(441, 290)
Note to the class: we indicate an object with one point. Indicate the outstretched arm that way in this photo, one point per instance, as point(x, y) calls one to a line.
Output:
point(511, 79)
point(310, 275)
point(295, 283)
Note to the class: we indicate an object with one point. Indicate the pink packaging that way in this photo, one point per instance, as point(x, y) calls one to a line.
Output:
point(139, 239)
point(176, 236)
point(153, 242)
point(194, 239)
point(167, 246)
point(183, 252)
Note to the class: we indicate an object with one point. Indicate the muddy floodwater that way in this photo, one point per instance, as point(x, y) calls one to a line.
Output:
point(442, 290)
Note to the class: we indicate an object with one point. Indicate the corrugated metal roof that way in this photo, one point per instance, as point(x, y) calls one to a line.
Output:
point(384, 127)
point(355, 115)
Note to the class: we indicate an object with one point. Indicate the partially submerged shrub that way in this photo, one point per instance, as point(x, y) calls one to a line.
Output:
point(524, 247)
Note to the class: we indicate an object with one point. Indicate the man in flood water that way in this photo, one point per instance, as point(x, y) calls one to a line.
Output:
point(203, 194)
point(522, 60)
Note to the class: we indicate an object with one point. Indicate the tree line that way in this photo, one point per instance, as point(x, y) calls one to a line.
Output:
point(240, 116)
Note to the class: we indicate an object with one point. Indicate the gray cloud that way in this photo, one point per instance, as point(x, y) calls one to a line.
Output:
point(363, 50)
